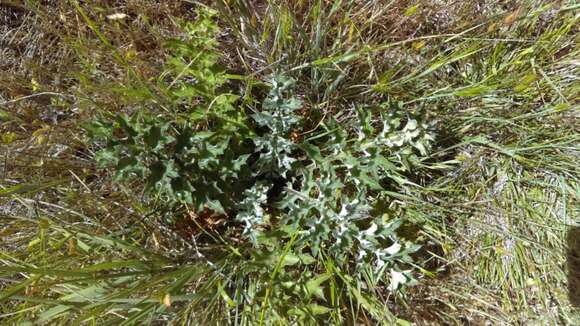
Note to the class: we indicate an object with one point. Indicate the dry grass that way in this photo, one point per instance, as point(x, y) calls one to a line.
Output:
point(495, 218)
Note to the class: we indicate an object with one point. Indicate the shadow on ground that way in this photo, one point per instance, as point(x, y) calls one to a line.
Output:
point(573, 255)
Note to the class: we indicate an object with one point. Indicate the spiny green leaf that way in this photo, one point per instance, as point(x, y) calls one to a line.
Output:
point(314, 286)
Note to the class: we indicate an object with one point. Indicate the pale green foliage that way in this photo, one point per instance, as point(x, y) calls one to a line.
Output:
point(193, 65)
point(329, 187)
point(326, 191)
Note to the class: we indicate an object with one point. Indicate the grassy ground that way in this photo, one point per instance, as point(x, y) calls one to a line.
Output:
point(491, 205)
